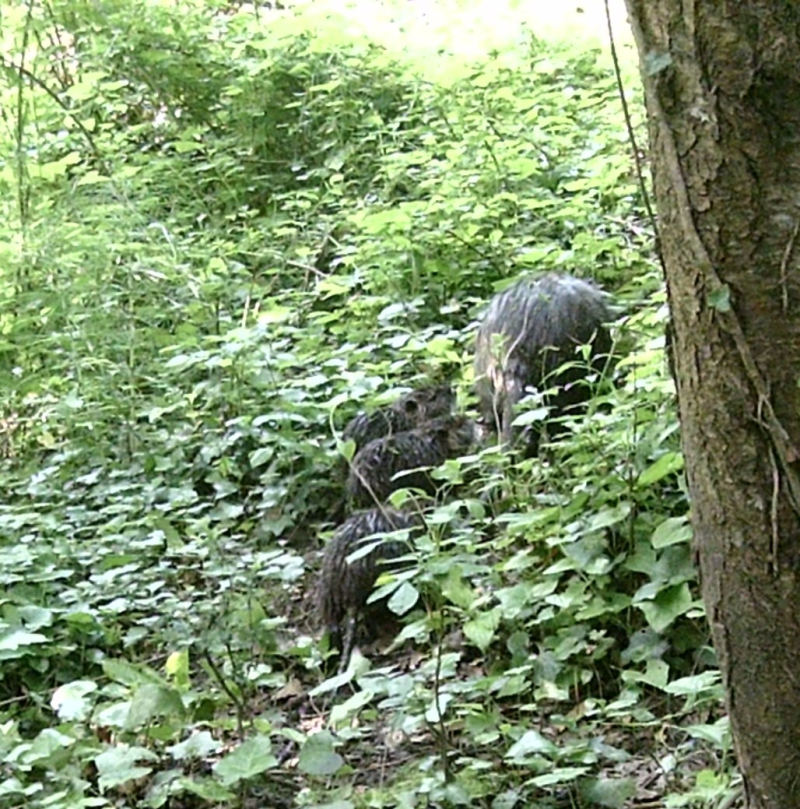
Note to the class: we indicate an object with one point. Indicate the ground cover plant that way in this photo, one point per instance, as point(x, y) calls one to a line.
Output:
point(225, 231)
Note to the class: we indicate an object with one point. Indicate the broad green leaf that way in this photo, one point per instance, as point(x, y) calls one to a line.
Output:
point(93, 177)
point(512, 685)
point(70, 701)
point(14, 787)
point(249, 759)
point(343, 713)
point(197, 746)
point(606, 517)
point(403, 598)
point(114, 715)
point(45, 746)
point(508, 799)
point(720, 298)
point(262, 456)
point(532, 743)
point(694, 684)
point(206, 789)
point(611, 792)
point(437, 710)
point(668, 464)
point(177, 667)
point(57, 168)
point(358, 664)
point(456, 589)
point(718, 734)
point(187, 146)
point(669, 604)
point(152, 701)
point(672, 531)
point(656, 674)
point(560, 775)
point(15, 642)
point(88, 86)
point(481, 629)
point(274, 314)
point(318, 755)
point(514, 599)
point(123, 763)
point(131, 674)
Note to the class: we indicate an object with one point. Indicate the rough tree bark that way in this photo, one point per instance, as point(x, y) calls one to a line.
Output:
point(722, 84)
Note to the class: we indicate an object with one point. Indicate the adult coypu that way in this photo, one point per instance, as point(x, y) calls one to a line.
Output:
point(528, 339)
point(394, 462)
point(344, 586)
point(409, 411)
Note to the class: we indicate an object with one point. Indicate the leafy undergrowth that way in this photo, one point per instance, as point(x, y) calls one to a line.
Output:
point(224, 234)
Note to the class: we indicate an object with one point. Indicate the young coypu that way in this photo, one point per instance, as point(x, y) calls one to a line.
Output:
point(345, 586)
point(410, 411)
point(375, 469)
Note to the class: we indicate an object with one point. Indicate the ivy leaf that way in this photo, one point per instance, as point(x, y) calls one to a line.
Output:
point(152, 701)
point(45, 746)
point(119, 764)
point(205, 788)
point(656, 61)
point(560, 775)
point(455, 589)
point(720, 298)
point(69, 700)
point(197, 746)
point(318, 756)
point(667, 464)
point(695, 684)
point(610, 792)
point(130, 674)
point(481, 630)
point(438, 708)
point(15, 642)
point(668, 605)
point(35, 617)
point(671, 532)
point(249, 759)
point(718, 734)
point(532, 743)
point(403, 598)
point(656, 674)
point(342, 714)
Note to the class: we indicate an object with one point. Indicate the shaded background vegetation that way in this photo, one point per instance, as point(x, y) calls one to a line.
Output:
point(225, 231)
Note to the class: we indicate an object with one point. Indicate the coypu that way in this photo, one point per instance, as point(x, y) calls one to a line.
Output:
point(528, 333)
point(374, 471)
point(344, 587)
point(410, 411)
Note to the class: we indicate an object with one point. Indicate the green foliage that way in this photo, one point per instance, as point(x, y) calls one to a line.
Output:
point(226, 230)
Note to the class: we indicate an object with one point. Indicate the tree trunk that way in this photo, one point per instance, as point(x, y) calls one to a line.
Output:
point(722, 83)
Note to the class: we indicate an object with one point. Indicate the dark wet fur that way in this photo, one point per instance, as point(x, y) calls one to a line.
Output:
point(375, 470)
point(409, 412)
point(530, 331)
point(344, 587)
